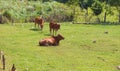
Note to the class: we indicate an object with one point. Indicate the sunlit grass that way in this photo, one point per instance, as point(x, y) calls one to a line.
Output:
point(76, 53)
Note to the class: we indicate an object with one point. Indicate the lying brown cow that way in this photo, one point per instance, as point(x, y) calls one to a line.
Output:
point(51, 41)
point(40, 22)
point(54, 27)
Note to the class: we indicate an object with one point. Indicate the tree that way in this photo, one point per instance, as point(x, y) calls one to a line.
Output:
point(47, 0)
point(97, 8)
point(107, 8)
point(62, 1)
point(85, 4)
point(73, 4)
point(116, 3)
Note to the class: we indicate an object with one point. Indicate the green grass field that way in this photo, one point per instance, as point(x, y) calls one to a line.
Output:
point(76, 52)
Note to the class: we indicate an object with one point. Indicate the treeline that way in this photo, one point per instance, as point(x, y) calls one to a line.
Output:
point(59, 10)
point(97, 6)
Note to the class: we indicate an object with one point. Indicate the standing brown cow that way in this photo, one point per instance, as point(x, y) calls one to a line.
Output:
point(51, 41)
point(40, 22)
point(54, 27)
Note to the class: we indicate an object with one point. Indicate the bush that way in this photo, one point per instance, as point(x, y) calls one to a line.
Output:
point(22, 11)
point(7, 15)
point(97, 8)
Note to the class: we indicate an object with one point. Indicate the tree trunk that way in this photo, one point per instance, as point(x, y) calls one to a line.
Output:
point(119, 15)
point(105, 17)
point(98, 19)
point(1, 19)
point(86, 14)
point(74, 15)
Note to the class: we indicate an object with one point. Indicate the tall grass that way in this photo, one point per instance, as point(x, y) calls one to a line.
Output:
point(24, 10)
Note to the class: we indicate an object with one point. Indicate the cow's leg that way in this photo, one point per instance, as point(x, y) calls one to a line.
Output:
point(38, 25)
point(50, 31)
point(53, 31)
point(35, 24)
point(41, 27)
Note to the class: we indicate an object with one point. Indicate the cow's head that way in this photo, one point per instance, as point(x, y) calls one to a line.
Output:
point(60, 37)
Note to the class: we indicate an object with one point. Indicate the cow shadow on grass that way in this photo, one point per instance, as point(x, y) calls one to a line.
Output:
point(35, 29)
point(47, 34)
point(47, 46)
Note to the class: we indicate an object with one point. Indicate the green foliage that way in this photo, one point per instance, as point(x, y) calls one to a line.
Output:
point(35, 0)
point(24, 10)
point(62, 1)
point(117, 5)
point(97, 7)
point(73, 2)
point(114, 3)
point(85, 3)
point(27, 10)
point(7, 14)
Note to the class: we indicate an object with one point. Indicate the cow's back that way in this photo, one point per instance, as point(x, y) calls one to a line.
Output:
point(39, 20)
point(51, 25)
point(56, 26)
point(47, 41)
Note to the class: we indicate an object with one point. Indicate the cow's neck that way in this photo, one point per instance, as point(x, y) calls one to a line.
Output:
point(57, 39)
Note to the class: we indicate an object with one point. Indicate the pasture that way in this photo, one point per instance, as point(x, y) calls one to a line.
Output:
point(85, 48)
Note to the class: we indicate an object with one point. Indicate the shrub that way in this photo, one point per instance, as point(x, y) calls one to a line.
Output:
point(7, 14)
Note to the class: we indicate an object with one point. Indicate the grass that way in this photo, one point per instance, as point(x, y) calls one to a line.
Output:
point(76, 53)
